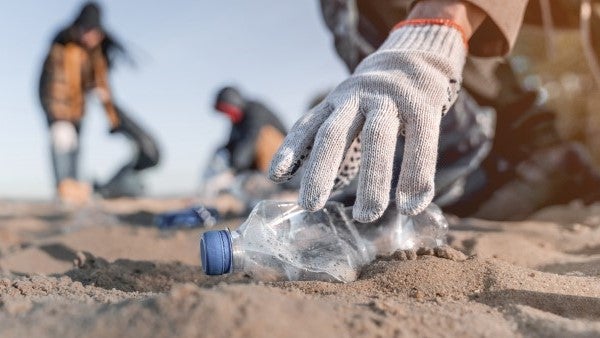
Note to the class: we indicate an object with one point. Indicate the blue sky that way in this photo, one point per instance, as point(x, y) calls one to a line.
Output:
point(277, 51)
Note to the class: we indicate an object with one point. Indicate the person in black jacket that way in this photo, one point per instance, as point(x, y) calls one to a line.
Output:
point(256, 133)
point(235, 178)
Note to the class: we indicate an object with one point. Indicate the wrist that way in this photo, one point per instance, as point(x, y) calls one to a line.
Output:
point(445, 41)
point(467, 16)
point(449, 24)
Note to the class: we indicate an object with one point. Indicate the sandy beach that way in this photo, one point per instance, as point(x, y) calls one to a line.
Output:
point(106, 271)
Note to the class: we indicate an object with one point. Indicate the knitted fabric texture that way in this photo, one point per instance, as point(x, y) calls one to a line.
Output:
point(403, 88)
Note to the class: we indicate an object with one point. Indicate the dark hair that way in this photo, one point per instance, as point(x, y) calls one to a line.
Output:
point(231, 96)
point(90, 17)
point(113, 49)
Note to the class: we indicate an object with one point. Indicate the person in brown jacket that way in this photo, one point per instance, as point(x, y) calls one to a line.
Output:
point(409, 61)
point(78, 63)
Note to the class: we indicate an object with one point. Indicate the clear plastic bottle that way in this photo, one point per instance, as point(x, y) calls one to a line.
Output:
point(281, 241)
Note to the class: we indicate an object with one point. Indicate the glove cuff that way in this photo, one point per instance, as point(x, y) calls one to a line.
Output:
point(439, 22)
point(441, 37)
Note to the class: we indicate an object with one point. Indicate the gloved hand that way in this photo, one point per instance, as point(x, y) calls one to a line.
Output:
point(404, 87)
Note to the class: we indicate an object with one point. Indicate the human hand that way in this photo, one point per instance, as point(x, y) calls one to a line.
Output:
point(103, 94)
point(404, 87)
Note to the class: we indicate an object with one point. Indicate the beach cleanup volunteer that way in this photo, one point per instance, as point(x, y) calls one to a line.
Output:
point(256, 132)
point(77, 63)
point(387, 116)
point(405, 87)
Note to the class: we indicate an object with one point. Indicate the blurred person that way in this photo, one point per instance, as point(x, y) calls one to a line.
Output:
point(255, 134)
point(236, 176)
point(495, 154)
point(235, 179)
point(77, 63)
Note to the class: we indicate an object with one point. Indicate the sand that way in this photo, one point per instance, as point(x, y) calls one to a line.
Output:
point(105, 271)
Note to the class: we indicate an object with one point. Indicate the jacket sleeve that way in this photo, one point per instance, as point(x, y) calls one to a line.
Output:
point(101, 81)
point(242, 156)
point(497, 35)
point(55, 90)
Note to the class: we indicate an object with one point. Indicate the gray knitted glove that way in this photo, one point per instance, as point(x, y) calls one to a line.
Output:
point(404, 87)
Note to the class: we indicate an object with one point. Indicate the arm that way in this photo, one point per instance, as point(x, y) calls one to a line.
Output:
point(497, 33)
point(52, 87)
point(495, 36)
point(405, 87)
point(240, 146)
point(103, 90)
point(244, 151)
point(465, 14)
point(60, 85)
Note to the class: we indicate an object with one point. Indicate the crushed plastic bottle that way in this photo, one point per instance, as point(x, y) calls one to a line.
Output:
point(194, 217)
point(281, 241)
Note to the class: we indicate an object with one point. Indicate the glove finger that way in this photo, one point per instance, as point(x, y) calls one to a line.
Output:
point(349, 167)
point(297, 144)
point(416, 183)
point(379, 135)
point(332, 139)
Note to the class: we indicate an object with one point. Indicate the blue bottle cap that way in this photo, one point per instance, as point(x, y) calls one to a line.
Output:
point(216, 252)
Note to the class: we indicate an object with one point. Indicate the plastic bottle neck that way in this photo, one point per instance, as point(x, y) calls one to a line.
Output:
point(237, 252)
